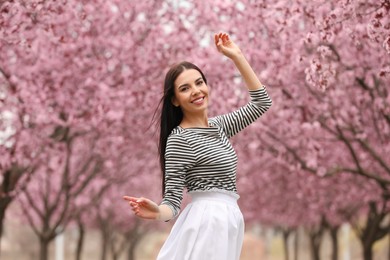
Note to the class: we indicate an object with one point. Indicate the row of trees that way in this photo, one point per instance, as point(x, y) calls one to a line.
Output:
point(328, 132)
point(80, 82)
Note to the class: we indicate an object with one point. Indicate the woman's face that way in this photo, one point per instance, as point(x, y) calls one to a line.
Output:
point(191, 92)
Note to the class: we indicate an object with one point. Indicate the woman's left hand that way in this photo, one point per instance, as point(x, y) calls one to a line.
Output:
point(143, 208)
point(226, 46)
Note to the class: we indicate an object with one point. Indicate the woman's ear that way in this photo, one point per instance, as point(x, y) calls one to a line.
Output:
point(174, 101)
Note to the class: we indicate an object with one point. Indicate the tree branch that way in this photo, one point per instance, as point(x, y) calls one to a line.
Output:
point(374, 154)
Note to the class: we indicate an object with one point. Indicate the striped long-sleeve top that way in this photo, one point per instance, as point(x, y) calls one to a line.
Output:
point(202, 159)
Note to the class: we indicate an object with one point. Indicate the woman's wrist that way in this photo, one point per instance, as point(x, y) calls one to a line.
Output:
point(164, 213)
point(158, 216)
point(238, 57)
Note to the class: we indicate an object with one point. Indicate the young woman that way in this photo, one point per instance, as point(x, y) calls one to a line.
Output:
point(195, 153)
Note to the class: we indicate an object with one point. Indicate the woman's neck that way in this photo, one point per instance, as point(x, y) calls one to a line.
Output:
point(192, 121)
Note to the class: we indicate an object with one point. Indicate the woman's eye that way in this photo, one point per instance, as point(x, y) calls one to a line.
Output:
point(200, 83)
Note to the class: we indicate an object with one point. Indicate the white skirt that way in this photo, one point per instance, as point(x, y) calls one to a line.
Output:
point(211, 227)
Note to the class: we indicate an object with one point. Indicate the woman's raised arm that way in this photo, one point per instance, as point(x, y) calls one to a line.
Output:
point(228, 48)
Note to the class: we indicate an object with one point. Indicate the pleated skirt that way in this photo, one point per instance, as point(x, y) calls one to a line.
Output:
point(211, 227)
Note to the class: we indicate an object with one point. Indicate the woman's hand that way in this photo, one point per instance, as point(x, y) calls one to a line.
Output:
point(226, 46)
point(143, 208)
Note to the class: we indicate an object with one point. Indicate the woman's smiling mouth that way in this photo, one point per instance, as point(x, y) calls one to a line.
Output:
point(198, 100)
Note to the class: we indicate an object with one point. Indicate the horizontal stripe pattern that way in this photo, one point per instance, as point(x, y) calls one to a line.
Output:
point(202, 159)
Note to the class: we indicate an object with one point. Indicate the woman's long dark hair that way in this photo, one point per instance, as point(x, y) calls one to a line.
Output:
point(171, 116)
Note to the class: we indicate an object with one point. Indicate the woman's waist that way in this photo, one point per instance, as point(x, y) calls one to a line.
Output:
point(214, 194)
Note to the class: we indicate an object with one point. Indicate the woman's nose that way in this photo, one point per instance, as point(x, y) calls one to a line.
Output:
point(195, 92)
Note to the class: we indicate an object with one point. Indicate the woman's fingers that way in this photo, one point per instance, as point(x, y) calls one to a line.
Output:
point(216, 39)
point(225, 38)
point(218, 42)
point(133, 202)
point(142, 207)
point(221, 39)
point(128, 198)
point(141, 200)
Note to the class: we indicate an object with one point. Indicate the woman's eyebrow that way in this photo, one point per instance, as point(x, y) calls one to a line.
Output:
point(186, 84)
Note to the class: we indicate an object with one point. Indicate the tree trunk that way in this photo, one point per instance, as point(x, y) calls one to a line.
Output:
point(80, 241)
point(374, 229)
point(296, 244)
point(115, 252)
point(315, 241)
point(4, 202)
point(335, 250)
point(8, 184)
point(315, 249)
point(44, 248)
point(104, 241)
point(131, 251)
point(367, 251)
point(388, 248)
point(104, 248)
point(134, 238)
point(286, 234)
